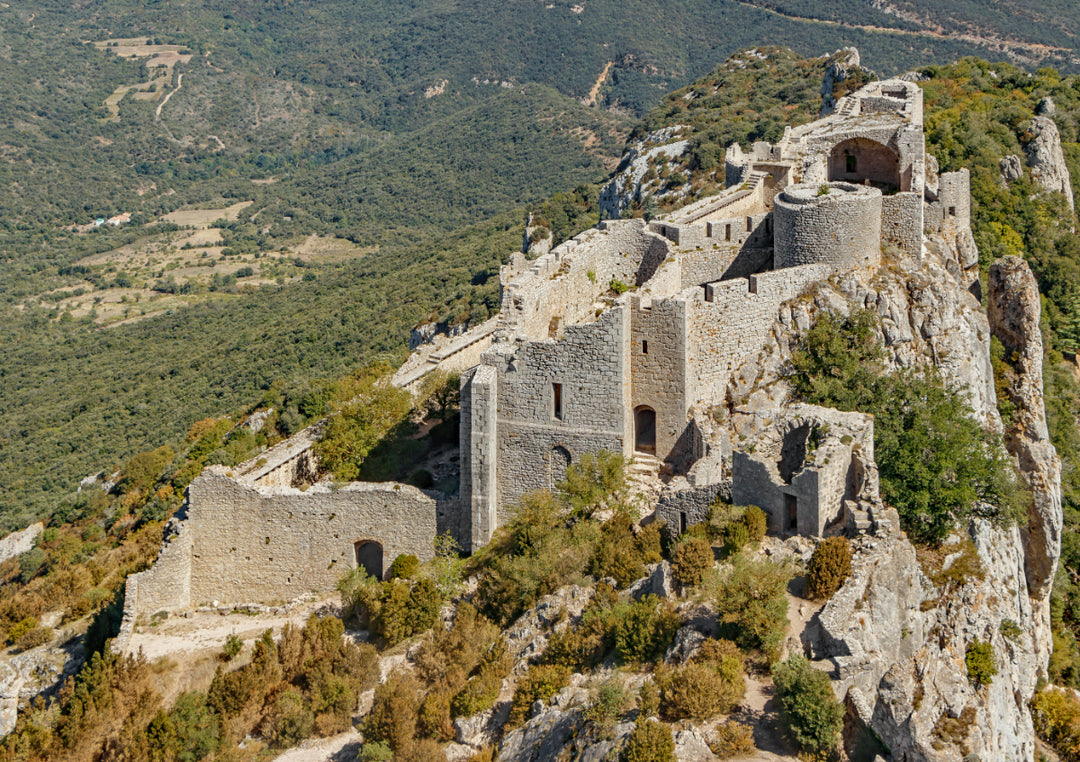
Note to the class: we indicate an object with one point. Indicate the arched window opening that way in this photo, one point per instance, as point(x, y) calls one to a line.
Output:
point(369, 557)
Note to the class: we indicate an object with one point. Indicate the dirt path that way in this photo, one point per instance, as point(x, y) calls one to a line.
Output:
point(205, 632)
point(595, 91)
point(157, 111)
point(344, 746)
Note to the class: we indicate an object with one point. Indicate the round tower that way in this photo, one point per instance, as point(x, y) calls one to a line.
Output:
point(834, 223)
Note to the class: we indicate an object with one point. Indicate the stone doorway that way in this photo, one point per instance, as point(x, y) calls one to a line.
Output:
point(791, 514)
point(645, 430)
point(369, 557)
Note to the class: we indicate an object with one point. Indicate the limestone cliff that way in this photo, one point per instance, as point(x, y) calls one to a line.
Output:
point(1046, 158)
point(894, 638)
point(633, 182)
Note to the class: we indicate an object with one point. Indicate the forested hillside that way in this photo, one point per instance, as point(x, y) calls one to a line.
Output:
point(411, 130)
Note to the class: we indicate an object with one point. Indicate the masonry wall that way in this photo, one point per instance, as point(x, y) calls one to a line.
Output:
point(902, 221)
point(731, 329)
point(659, 374)
point(591, 364)
point(679, 509)
point(562, 287)
point(261, 546)
point(165, 586)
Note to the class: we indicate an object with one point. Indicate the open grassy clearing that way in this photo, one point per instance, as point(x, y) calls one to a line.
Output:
point(161, 60)
point(165, 271)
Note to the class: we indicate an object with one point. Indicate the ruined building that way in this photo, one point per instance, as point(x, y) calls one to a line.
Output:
point(632, 337)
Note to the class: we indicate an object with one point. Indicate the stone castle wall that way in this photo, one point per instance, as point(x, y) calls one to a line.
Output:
point(902, 221)
point(242, 544)
point(563, 286)
point(729, 321)
point(658, 367)
point(590, 364)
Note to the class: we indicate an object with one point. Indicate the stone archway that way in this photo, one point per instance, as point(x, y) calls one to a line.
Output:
point(860, 159)
point(645, 429)
point(369, 557)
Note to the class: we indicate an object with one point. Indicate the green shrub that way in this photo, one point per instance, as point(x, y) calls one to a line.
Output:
point(692, 557)
point(594, 482)
point(434, 718)
point(403, 610)
point(700, 690)
point(405, 566)
point(20, 628)
point(376, 752)
point(540, 683)
point(938, 466)
point(736, 537)
point(756, 522)
point(1011, 630)
point(194, 726)
point(536, 553)
point(979, 660)
point(481, 691)
point(829, 567)
point(583, 647)
point(648, 700)
point(808, 705)
point(618, 554)
point(752, 604)
point(649, 741)
point(733, 739)
point(32, 638)
point(289, 721)
point(1056, 714)
point(645, 629)
point(394, 713)
point(232, 648)
point(608, 704)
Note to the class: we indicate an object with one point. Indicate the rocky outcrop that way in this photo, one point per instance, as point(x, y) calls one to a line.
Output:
point(1014, 307)
point(629, 186)
point(839, 69)
point(1011, 168)
point(1046, 159)
point(17, 543)
point(897, 640)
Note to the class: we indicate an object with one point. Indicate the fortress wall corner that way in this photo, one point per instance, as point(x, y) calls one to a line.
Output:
point(479, 399)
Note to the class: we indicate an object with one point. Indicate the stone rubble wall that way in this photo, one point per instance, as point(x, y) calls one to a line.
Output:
point(242, 544)
point(659, 376)
point(591, 364)
point(902, 222)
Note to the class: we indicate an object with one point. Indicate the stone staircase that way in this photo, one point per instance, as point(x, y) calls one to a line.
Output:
point(643, 478)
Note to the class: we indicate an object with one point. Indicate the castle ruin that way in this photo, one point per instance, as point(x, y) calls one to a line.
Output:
point(629, 338)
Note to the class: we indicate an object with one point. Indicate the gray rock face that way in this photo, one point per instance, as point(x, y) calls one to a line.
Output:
point(838, 70)
point(1014, 307)
point(17, 543)
point(1046, 107)
point(1011, 168)
point(898, 643)
point(1046, 159)
point(629, 185)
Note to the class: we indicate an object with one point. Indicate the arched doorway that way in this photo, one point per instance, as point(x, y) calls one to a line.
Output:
point(859, 159)
point(369, 557)
point(645, 429)
point(560, 461)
